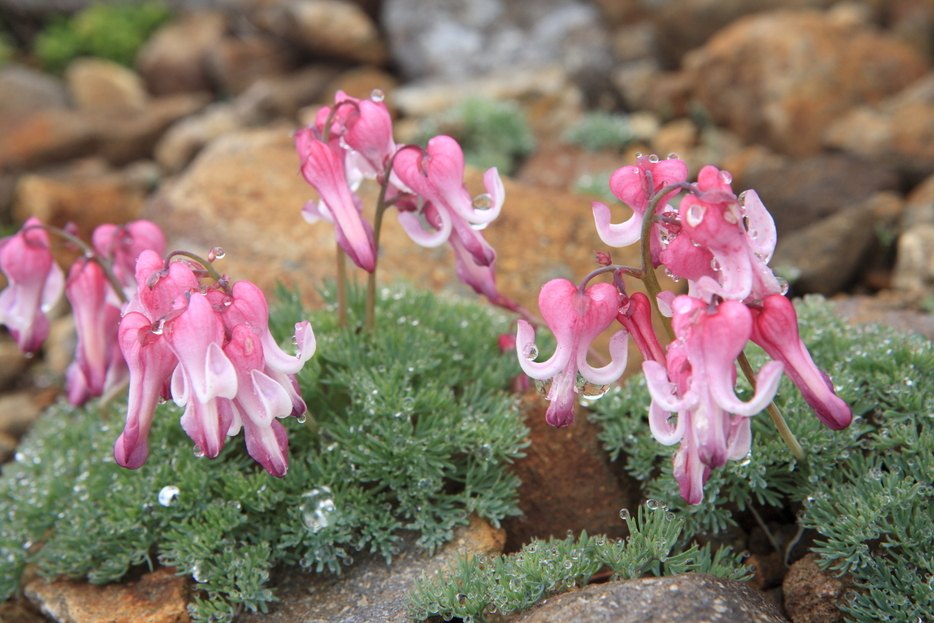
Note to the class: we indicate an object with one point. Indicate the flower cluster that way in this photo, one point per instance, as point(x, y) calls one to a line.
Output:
point(147, 320)
point(352, 141)
point(721, 245)
point(210, 350)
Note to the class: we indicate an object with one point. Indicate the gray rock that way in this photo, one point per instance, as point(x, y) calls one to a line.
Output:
point(914, 267)
point(468, 38)
point(101, 86)
point(688, 598)
point(371, 590)
point(25, 90)
point(827, 255)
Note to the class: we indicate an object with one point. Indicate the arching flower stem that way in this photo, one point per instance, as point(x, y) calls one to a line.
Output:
point(381, 205)
point(787, 436)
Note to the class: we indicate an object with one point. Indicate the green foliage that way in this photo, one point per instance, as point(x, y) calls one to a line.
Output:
point(492, 133)
point(411, 430)
point(599, 130)
point(866, 490)
point(111, 31)
point(598, 184)
point(474, 587)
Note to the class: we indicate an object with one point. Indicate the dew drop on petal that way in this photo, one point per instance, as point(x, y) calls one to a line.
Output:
point(530, 352)
point(302, 418)
point(198, 452)
point(482, 202)
point(168, 494)
point(715, 265)
point(158, 327)
point(543, 387)
point(742, 199)
point(638, 155)
point(653, 158)
point(695, 214)
point(377, 95)
point(726, 177)
point(672, 156)
point(783, 285)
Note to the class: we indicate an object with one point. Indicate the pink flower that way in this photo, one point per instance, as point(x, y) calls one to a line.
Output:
point(365, 128)
point(696, 382)
point(98, 365)
point(322, 166)
point(122, 244)
point(575, 318)
point(635, 313)
point(775, 329)
point(635, 185)
point(211, 351)
point(35, 285)
point(437, 175)
point(714, 250)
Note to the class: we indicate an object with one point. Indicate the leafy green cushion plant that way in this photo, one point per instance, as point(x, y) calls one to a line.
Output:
point(111, 31)
point(865, 490)
point(416, 440)
point(598, 130)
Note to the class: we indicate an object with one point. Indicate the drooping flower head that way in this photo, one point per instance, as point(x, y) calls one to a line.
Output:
point(35, 284)
point(575, 318)
point(210, 350)
point(696, 382)
point(635, 185)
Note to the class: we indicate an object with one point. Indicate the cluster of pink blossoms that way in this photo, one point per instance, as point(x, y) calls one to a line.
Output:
point(721, 245)
point(208, 348)
point(353, 141)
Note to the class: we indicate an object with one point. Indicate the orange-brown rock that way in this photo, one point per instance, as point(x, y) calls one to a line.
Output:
point(158, 597)
point(781, 77)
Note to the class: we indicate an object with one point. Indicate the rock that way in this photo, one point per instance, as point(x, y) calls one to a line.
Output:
point(60, 347)
point(455, 41)
point(896, 132)
point(800, 192)
point(87, 193)
point(105, 87)
point(16, 611)
point(780, 78)
point(44, 136)
point(12, 362)
point(25, 90)
point(684, 25)
point(185, 138)
point(124, 139)
point(371, 590)
point(812, 595)
point(889, 308)
point(687, 598)
point(236, 62)
point(567, 482)
point(914, 267)
point(173, 59)
point(553, 102)
point(557, 165)
point(158, 597)
point(336, 29)
point(826, 256)
point(18, 410)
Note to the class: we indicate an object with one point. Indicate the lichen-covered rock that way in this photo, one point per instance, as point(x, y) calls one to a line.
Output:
point(101, 86)
point(812, 595)
point(174, 59)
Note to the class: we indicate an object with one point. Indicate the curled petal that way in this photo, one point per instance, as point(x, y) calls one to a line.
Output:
point(616, 234)
point(766, 385)
point(661, 389)
point(761, 232)
point(610, 373)
point(421, 236)
point(662, 430)
point(525, 344)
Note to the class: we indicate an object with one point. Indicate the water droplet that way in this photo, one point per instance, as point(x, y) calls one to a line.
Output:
point(485, 452)
point(672, 276)
point(377, 95)
point(196, 574)
point(198, 452)
point(654, 505)
point(653, 158)
point(672, 156)
point(638, 155)
point(783, 285)
point(482, 202)
point(624, 514)
point(715, 265)
point(530, 352)
point(168, 494)
point(695, 214)
point(742, 199)
point(158, 327)
point(726, 177)
point(160, 400)
point(318, 509)
point(216, 253)
point(590, 391)
point(302, 418)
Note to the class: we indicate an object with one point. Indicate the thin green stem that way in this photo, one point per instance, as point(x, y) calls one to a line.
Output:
point(341, 259)
point(787, 436)
point(381, 205)
point(648, 271)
